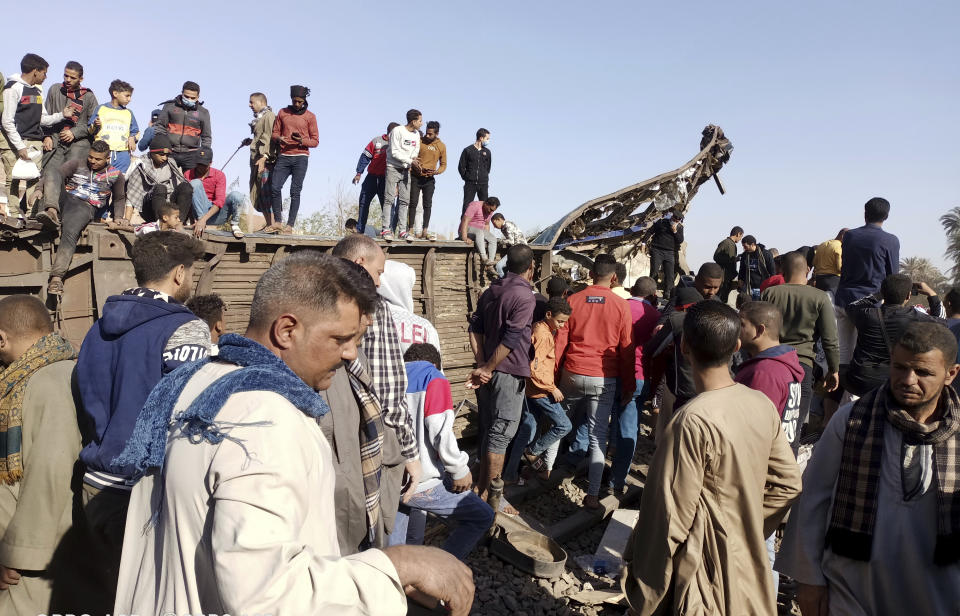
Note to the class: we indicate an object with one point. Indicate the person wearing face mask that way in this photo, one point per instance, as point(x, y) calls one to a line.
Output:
point(474, 168)
point(187, 123)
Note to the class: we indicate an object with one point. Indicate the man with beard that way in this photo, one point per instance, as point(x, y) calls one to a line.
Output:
point(156, 180)
point(187, 123)
point(38, 427)
point(877, 527)
point(83, 187)
point(433, 162)
point(141, 335)
point(262, 156)
point(294, 132)
point(68, 139)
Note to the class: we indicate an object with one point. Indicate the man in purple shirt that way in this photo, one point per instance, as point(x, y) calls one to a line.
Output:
point(500, 336)
point(870, 254)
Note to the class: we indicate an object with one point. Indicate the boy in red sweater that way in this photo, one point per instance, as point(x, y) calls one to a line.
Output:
point(599, 349)
point(772, 368)
point(294, 132)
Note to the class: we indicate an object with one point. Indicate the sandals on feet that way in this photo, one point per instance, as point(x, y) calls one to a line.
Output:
point(55, 286)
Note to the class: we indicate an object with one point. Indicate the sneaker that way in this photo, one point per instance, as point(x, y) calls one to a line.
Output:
point(55, 286)
point(431, 236)
point(386, 236)
point(404, 235)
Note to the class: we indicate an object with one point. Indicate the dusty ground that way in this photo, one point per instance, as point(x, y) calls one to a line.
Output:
point(503, 590)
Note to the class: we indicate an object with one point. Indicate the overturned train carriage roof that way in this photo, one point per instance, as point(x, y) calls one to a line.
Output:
point(627, 215)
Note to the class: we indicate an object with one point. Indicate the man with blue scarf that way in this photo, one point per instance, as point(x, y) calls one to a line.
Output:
point(235, 511)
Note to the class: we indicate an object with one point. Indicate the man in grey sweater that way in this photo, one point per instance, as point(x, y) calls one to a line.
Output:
point(68, 139)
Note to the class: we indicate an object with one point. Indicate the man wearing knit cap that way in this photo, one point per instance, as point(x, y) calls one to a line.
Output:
point(294, 132)
point(187, 123)
point(155, 180)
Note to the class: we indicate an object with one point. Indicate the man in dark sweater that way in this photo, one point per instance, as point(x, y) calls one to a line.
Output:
point(756, 265)
point(870, 254)
point(807, 317)
point(474, 168)
point(141, 335)
point(880, 319)
point(500, 337)
point(187, 123)
point(665, 241)
point(726, 257)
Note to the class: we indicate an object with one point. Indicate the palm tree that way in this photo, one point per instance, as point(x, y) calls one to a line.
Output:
point(920, 269)
point(951, 224)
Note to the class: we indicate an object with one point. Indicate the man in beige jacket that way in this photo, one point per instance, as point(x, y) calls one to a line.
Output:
point(721, 480)
point(236, 513)
point(39, 443)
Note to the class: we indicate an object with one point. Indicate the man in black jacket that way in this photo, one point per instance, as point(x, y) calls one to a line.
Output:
point(664, 244)
point(756, 265)
point(880, 319)
point(187, 123)
point(474, 168)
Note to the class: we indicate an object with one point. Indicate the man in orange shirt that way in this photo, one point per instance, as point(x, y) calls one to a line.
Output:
point(599, 349)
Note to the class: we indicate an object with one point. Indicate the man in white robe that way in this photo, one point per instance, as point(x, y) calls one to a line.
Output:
point(906, 560)
point(239, 518)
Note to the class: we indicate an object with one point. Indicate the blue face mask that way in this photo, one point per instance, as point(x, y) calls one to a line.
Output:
point(188, 103)
point(486, 143)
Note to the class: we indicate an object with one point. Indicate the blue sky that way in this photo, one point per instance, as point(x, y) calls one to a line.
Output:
point(827, 103)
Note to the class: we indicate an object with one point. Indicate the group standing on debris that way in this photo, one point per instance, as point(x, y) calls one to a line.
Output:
point(291, 468)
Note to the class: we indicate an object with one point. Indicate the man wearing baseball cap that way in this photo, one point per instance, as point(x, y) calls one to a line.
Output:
point(155, 180)
point(211, 205)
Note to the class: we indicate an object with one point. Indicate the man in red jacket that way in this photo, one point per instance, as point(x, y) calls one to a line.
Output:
point(294, 132)
point(212, 206)
point(599, 349)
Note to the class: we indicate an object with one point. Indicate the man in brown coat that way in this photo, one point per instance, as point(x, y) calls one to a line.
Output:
point(39, 443)
point(721, 480)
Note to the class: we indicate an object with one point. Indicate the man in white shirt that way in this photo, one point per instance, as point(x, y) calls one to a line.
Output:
point(239, 517)
point(401, 156)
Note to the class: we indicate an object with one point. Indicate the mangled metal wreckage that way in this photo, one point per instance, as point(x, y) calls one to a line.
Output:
point(622, 222)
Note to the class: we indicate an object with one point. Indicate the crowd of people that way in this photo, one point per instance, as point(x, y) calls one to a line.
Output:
point(69, 160)
point(291, 468)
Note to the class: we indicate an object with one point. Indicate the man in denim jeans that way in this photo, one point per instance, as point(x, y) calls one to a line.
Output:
point(599, 350)
point(500, 336)
point(211, 204)
point(444, 487)
point(543, 399)
point(625, 421)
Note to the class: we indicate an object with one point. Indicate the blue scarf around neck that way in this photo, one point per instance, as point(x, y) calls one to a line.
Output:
point(260, 370)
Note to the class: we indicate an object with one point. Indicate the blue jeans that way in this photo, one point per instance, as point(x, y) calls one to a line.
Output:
point(472, 515)
point(501, 266)
point(772, 555)
point(625, 424)
point(201, 205)
point(285, 167)
point(593, 397)
point(372, 186)
point(549, 441)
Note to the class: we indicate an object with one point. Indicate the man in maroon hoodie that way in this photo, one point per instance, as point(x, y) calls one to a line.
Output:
point(772, 368)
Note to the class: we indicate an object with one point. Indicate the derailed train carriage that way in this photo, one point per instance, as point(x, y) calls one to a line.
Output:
point(449, 274)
